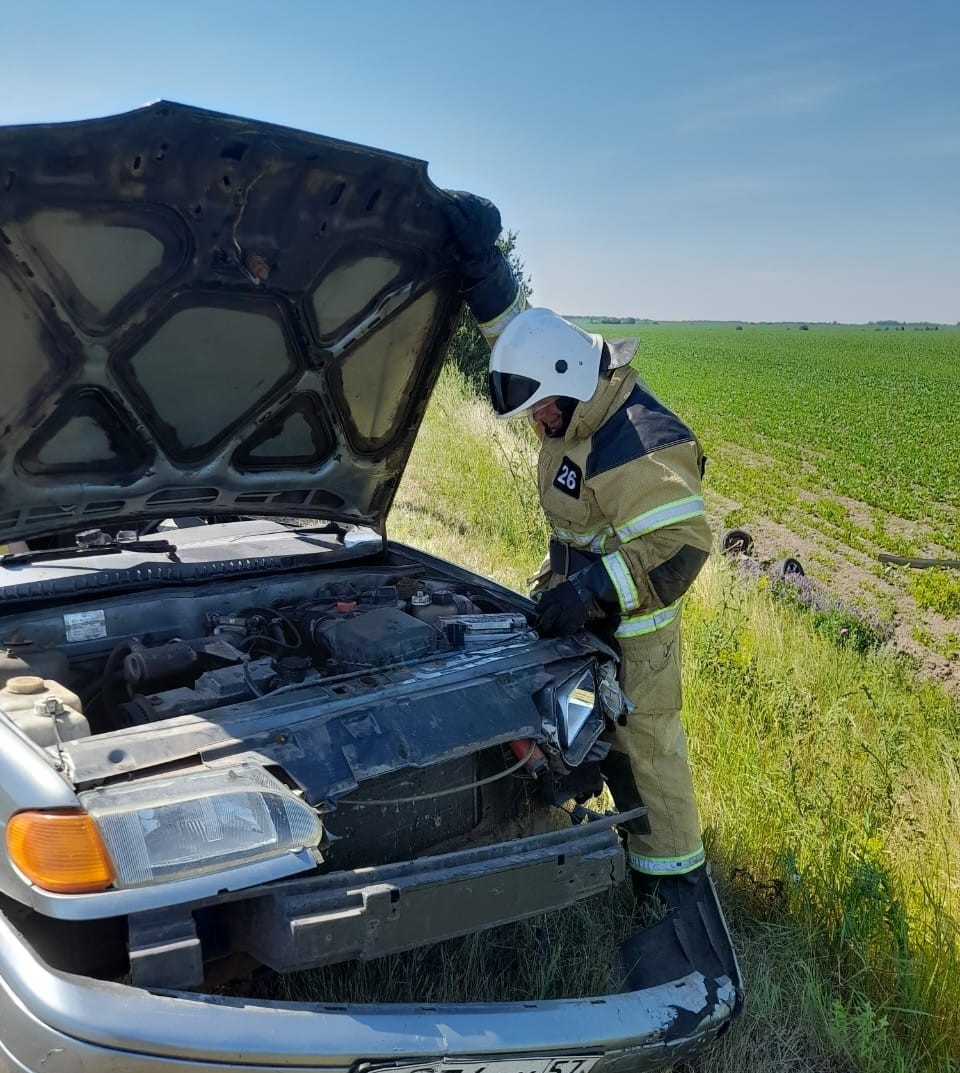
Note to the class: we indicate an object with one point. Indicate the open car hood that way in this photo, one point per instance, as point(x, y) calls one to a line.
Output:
point(209, 315)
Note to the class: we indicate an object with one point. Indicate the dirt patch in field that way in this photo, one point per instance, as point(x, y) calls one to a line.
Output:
point(842, 556)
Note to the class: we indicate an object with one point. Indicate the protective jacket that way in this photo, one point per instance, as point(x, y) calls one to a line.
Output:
point(622, 487)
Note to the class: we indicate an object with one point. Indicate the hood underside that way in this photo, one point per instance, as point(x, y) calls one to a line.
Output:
point(209, 315)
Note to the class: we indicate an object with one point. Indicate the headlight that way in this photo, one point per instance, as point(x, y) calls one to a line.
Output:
point(576, 700)
point(192, 824)
point(571, 705)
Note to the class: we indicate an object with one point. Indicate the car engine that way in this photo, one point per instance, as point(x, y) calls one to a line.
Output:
point(337, 631)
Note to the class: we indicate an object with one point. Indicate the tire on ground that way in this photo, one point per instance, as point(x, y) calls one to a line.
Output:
point(784, 568)
point(736, 542)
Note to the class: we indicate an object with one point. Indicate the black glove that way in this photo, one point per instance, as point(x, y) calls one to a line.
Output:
point(489, 286)
point(561, 612)
point(475, 223)
point(586, 595)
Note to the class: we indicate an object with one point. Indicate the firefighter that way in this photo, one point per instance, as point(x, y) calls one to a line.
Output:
point(619, 481)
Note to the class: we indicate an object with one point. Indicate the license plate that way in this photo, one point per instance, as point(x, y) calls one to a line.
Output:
point(534, 1064)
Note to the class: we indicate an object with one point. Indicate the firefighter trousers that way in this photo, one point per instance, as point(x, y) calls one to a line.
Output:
point(648, 760)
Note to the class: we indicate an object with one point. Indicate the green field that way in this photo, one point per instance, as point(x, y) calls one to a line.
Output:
point(805, 420)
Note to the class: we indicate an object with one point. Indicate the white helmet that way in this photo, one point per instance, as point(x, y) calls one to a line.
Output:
point(538, 355)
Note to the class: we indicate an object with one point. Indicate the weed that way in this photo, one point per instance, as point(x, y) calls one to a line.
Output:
point(937, 590)
point(843, 627)
point(862, 1034)
point(842, 623)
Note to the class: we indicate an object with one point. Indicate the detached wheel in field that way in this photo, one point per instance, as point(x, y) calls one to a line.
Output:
point(784, 568)
point(736, 542)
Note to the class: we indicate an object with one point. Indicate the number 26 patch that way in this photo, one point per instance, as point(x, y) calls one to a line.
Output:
point(569, 478)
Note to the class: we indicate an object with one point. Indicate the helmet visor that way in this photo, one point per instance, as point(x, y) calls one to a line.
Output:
point(510, 391)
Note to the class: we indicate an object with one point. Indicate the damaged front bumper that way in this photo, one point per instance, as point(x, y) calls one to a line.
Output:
point(57, 1023)
point(54, 1021)
point(365, 913)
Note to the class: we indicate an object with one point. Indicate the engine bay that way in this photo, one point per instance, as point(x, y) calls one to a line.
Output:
point(127, 661)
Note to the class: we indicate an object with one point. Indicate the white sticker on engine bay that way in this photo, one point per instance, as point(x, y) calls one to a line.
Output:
point(85, 626)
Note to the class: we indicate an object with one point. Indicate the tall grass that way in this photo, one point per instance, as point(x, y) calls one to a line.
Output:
point(829, 785)
point(469, 489)
point(828, 780)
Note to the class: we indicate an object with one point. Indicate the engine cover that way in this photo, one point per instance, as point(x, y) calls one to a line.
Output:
point(376, 637)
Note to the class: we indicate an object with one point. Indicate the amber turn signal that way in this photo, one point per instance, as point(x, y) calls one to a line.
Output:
point(59, 850)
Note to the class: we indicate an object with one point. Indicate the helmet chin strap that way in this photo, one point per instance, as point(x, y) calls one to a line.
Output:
point(566, 406)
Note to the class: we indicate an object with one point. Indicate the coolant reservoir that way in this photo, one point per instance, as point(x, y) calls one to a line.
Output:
point(43, 709)
point(432, 607)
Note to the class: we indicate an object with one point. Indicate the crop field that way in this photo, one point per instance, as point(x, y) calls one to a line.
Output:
point(831, 444)
point(814, 419)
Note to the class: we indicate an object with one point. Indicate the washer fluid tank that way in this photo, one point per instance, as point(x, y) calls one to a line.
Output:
point(44, 710)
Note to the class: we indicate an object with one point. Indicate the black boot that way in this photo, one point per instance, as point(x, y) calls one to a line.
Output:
point(648, 906)
point(676, 893)
point(681, 893)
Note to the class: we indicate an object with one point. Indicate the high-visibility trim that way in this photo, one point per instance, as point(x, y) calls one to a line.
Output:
point(584, 541)
point(620, 576)
point(638, 625)
point(493, 328)
point(680, 510)
point(667, 866)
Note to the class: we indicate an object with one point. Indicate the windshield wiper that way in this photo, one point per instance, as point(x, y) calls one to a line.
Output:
point(89, 543)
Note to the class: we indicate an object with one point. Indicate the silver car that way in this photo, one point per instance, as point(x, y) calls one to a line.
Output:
point(237, 724)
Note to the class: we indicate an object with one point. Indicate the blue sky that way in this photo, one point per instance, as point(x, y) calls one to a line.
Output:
point(725, 160)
